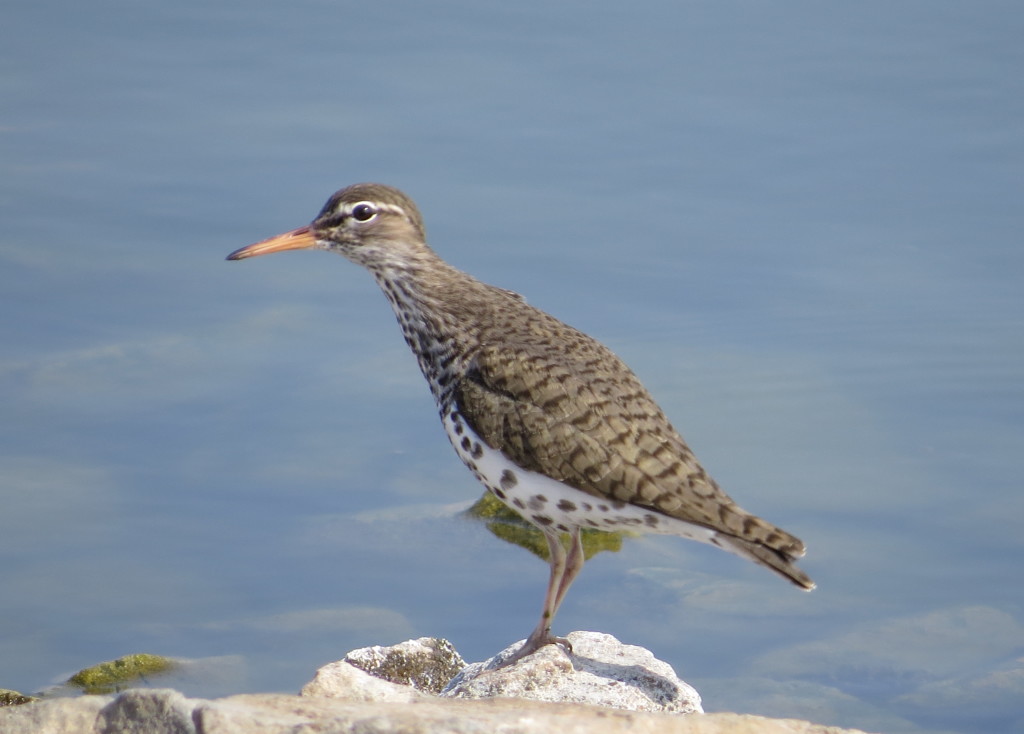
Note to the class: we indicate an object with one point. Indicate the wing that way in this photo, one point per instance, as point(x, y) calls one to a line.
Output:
point(558, 402)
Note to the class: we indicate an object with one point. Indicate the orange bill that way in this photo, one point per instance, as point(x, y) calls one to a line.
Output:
point(297, 239)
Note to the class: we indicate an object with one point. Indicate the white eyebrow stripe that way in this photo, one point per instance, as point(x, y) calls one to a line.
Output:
point(347, 209)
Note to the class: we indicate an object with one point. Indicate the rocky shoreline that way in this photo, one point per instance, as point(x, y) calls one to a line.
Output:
point(424, 686)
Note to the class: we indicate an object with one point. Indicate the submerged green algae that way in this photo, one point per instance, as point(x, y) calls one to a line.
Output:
point(507, 524)
point(115, 675)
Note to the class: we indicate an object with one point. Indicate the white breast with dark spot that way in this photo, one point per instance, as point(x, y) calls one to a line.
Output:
point(548, 503)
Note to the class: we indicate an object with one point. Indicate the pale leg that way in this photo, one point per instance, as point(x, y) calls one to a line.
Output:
point(564, 569)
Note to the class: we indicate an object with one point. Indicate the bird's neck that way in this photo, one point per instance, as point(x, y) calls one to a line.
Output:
point(437, 307)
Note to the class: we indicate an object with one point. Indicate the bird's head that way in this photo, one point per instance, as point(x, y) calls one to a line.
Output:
point(371, 224)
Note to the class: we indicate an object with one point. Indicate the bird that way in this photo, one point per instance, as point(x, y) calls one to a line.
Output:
point(548, 419)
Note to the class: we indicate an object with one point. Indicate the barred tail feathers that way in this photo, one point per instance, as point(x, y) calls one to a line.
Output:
point(780, 561)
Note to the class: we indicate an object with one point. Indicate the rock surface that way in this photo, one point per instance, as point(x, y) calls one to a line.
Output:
point(602, 686)
point(156, 711)
point(426, 664)
point(346, 682)
point(408, 671)
point(13, 698)
point(600, 670)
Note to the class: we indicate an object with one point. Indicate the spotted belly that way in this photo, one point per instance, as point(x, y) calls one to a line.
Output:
point(550, 504)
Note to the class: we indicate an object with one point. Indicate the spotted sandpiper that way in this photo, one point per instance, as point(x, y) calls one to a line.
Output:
point(548, 419)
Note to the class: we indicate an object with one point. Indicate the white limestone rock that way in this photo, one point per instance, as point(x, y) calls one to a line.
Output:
point(602, 687)
point(600, 671)
point(408, 671)
point(168, 712)
point(56, 716)
point(153, 711)
point(344, 681)
point(426, 664)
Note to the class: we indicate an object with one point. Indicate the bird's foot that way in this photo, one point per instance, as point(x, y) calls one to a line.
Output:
point(537, 640)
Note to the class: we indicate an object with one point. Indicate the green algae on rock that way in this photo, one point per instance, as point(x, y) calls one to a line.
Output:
point(13, 698)
point(115, 675)
point(426, 664)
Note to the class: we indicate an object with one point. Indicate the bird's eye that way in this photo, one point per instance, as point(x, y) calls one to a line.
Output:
point(364, 212)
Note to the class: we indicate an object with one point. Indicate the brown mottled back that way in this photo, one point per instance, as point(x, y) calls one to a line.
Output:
point(560, 403)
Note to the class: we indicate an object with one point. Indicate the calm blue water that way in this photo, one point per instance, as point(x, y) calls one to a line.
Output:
point(799, 223)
